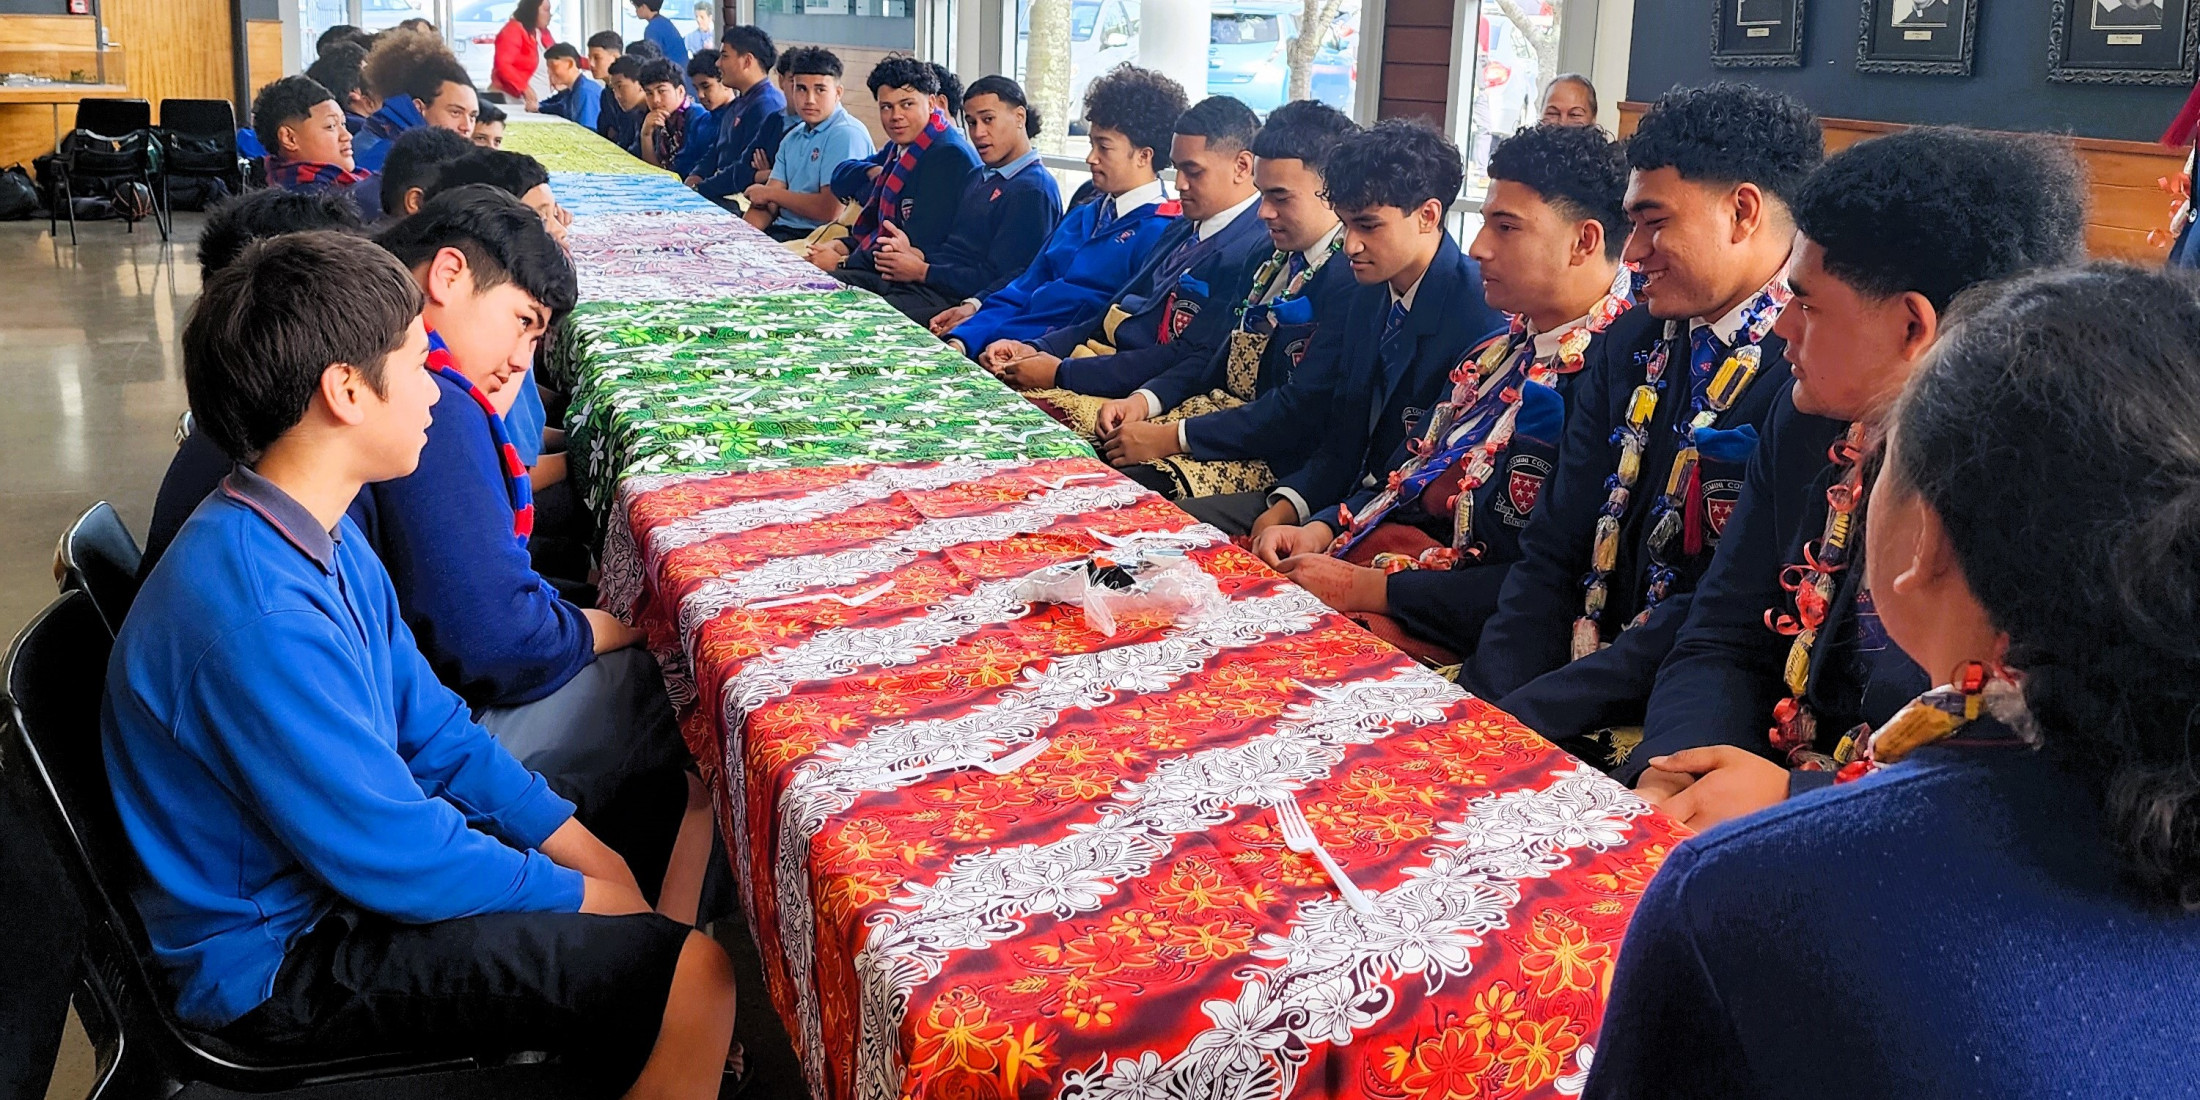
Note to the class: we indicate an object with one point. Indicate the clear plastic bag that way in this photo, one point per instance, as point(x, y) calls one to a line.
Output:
point(1111, 587)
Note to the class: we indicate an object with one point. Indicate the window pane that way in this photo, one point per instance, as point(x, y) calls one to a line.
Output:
point(1516, 52)
point(475, 23)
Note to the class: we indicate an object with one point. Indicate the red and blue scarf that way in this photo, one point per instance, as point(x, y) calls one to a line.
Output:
point(885, 201)
point(301, 175)
point(515, 472)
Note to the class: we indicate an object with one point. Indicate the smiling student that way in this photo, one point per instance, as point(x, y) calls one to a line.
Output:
point(420, 83)
point(335, 860)
point(909, 206)
point(1098, 247)
point(302, 127)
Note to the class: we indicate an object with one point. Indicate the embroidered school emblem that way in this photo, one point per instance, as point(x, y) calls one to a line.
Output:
point(1525, 477)
point(1412, 419)
point(816, 153)
point(1181, 314)
point(994, 196)
point(1719, 498)
point(908, 208)
point(1296, 350)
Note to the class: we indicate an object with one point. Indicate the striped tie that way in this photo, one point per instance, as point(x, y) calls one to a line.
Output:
point(1396, 321)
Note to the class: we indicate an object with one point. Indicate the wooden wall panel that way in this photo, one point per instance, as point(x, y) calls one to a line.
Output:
point(43, 43)
point(1416, 68)
point(2126, 198)
point(178, 48)
point(264, 41)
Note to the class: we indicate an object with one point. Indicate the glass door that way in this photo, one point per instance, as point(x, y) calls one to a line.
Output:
point(1499, 76)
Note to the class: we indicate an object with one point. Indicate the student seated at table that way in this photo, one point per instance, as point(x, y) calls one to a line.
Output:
point(675, 129)
point(420, 83)
point(577, 95)
point(604, 47)
point(773, 131)
point(1176, 311)
point(927, 164)
point(716, 99)
point(2002, 899)
point(489, 127)
point(561, 685)
point(1660, 430)
point(308, 148)
point(622, 124)
point(1002, 218)
point(338, 70)
point(1762, 687)
point(745, 58)
point(1227, 424)
point(1417, 312)
point(199, 463)
point(1098, 247)
point(411, 167)
point(796, 199)
point(1419, 559)
point(335, 859)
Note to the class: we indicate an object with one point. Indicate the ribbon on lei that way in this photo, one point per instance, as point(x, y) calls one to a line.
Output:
point(885, 200)
point(522, 491)
point(1937, 716)
point(1812, 583)
point(1502, 369)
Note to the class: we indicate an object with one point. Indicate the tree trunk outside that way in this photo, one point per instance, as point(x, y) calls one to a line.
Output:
point(1046, 71)
point(1543, 39)
point(1314, 23)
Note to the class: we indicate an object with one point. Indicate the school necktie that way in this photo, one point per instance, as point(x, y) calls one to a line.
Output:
point(1292, 267)
point(1393, 323)
point(1105, 217)
point(1704, 349)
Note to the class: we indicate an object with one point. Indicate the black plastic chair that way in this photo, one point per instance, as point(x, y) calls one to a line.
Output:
point(113, 116)
point(201, 135)
point(50, 688)
point(99, 557)
point(108, 165)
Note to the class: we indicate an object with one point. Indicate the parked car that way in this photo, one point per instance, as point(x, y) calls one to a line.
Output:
point(1102, 35)
point(1248, 55)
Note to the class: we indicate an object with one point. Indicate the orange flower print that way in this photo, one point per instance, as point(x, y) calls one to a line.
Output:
point(1212, 941)
point(1139, 924)
point(1496, 1010)
point(1635, 877)
point(1103, 953)
point(1445, 1066)
point(958, 1032)
point(864, 840)
point(1537, 1052)
point(1563, 954)
point(1085, 1009)
point(1298, 870)
point(1193, 886)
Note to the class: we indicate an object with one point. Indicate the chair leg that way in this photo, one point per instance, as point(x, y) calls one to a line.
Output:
point(68, 199)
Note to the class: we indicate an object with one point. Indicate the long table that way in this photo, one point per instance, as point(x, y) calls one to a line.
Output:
point(818, 516)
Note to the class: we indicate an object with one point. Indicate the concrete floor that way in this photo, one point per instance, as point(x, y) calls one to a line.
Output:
point(91, 385)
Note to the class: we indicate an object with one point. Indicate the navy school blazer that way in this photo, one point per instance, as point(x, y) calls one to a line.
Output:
point(1194, 305)
point(1522, 659)
point(1000, 225)
point(1726, 671)
point(1383, 388)
point(929, 198)
point(1286, 417)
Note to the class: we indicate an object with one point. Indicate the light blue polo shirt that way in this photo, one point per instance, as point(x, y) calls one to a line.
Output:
point(808, 155)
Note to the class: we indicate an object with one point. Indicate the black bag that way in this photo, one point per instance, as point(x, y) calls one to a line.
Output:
point(196, 192)
point(18, 195)
point(201, 154)
point(89, 154)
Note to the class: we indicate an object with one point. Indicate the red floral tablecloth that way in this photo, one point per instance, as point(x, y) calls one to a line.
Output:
point(1118, 918)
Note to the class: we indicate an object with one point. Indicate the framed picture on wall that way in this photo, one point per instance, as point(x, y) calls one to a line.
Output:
point(1917, 37)
point(2123, 41)
point(1759, 34)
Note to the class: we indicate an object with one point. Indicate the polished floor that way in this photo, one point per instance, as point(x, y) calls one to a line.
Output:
point(91, 386)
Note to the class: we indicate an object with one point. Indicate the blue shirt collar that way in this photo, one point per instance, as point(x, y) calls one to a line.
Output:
point(823, 124)
point(1014, 167)
point(245, 486)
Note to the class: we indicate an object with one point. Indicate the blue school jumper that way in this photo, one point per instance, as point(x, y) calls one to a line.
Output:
point(491, 626)
point(1957, 925)
point(1383, 387)
point(1181, 309)
point(1287, 417)
point(727, 170)
point(608, 113)
point(1001, 221)
point(579, 103)
point(276, 745)
point(930, 197)
point(1726, 670)
point(1450, 606)
point(668, 38)
point(1072, 279)
point(695, 133)
point(371, 146)
point(1524, 657)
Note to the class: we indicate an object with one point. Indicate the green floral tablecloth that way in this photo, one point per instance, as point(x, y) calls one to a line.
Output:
point(798, 379)
point(564, 147)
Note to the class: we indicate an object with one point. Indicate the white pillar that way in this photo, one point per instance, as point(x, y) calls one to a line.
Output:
point(1172, 39)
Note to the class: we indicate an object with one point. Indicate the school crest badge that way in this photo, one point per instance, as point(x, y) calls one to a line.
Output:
point(1296, 350)
point(908, 208)
point(1525, 477)
point(1182, 312)
point(1719, 498)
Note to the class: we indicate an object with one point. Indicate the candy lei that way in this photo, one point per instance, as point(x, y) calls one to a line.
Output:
point(1794, 727)
point(515, 472)
point(1938, 715)
point(1474, 426)
point(1258, 307)
point(1714, 392)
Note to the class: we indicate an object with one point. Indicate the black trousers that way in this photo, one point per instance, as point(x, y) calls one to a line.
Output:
point(920, 302)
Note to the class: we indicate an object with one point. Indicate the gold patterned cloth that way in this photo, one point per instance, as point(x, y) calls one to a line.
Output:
point(1187, 476)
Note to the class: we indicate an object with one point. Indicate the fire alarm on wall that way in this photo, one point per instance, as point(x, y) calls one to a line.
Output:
point(80, 7)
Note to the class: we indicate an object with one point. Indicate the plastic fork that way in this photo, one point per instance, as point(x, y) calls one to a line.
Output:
point(1298, 835)
point(857, 600)
point(998, 765)
point(1059, 483)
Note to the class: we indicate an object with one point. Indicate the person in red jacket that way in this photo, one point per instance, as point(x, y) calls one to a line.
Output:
point(517, 70)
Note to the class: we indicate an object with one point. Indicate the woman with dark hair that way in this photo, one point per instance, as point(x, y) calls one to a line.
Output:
point(517, 71)
point(2003, 896)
